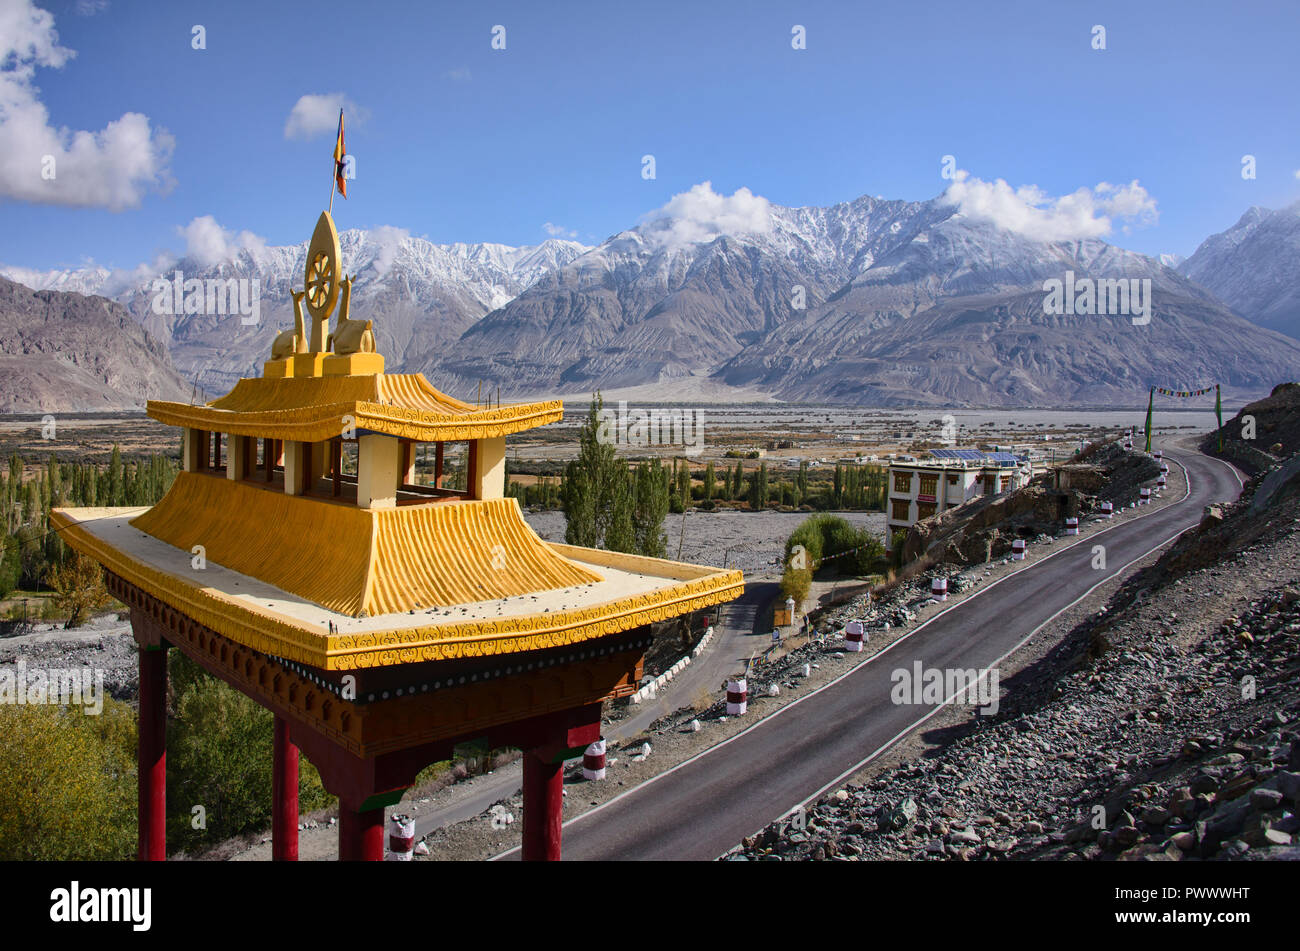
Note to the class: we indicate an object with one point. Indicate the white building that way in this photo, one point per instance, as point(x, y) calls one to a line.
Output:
point(949, 477)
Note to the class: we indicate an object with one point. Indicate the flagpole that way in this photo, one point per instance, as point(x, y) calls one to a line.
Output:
point(1151, 401)
point(334, 168)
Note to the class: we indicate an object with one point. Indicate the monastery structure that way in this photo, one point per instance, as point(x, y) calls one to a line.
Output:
point(381, 620)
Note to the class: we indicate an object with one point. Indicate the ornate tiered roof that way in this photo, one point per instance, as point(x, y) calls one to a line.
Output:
point(384, 574)
point(313, 408)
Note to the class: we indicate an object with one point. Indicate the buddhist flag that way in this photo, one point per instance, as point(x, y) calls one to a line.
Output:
point(340, 150)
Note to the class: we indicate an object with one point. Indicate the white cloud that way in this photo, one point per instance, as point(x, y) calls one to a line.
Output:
point(314, 114)
point(701, 214)
point(1028, 210)
point(559, 231)
point(207, 243)
point(111, 168)
point(459, 75)
point(387, 240)
point(1297, 173)
point(88, 8)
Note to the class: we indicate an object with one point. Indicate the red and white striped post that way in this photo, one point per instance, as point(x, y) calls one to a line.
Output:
point(593, 761)
point(401, 838)
point(737, 697)
point(1162, 481)
point(1107, 509)
point(1144, 496)
point(853, 636)
point(1072, 525)
point(1018, 549)
point(939, 589)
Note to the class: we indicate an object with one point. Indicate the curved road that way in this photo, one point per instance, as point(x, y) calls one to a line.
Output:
point(730, 646)
point(704, 806)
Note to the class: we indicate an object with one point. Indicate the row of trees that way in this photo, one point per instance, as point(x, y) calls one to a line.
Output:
point(608, 504)
point(30, 549)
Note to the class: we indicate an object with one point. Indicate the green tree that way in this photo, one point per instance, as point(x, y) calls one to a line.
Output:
point(219, 749)
point(597, 492)
point(67, 782)
point(796, 583)
point(115, 477)
point(650, 509)
point(78, 589)
point(10, 566)
point(710, 482)
point(758, 489)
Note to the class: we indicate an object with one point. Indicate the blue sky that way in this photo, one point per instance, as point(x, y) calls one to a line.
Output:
point(456, 141)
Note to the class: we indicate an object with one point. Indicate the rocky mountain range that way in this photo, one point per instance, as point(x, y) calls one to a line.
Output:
point(903, 303)
point(1252, 266)
point(867, 302)
point(422, 297)
point(65, 352)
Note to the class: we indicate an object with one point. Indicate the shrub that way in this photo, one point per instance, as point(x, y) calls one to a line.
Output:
point(827, 537)
point(219, 757)
point(67, 783)
point(795, 583)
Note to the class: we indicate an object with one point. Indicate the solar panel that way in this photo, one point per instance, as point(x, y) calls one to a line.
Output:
point(1001, 459)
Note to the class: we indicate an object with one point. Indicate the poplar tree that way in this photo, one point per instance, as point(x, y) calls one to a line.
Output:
point(596, 495)
point(650, 508)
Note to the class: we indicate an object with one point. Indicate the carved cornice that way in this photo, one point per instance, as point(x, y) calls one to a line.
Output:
point(397, 722)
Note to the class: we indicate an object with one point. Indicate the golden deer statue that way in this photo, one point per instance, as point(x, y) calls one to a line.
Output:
point(350, 336)
point(289, 342)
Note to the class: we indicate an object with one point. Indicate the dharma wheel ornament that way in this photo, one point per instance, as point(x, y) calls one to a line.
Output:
point(322, 277)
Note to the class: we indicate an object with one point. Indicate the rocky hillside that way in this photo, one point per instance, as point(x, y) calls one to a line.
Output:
point(1166, 727)
point(66, 352)
point(1262, 433)
point(1251, 267)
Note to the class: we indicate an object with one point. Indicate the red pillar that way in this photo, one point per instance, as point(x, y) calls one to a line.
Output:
point(543, 802)
point(284, 796)
point(151, 774)
point(361, 834)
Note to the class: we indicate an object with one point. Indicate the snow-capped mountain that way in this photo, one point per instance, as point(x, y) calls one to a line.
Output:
point(1252, 267)
point(902, 302)
point(957, 316)
point(870, 302)
point(421, 296)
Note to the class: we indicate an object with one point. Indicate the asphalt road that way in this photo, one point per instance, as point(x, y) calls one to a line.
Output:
point(701, 808)
point(736, 635)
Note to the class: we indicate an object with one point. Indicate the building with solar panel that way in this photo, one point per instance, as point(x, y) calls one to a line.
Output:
point(946, 478)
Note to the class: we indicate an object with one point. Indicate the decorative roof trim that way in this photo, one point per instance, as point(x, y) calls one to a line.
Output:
point(273, 633)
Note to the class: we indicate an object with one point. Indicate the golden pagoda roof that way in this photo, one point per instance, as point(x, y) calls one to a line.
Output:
point(315, 408)
point(631, 591)
point(361, 562)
